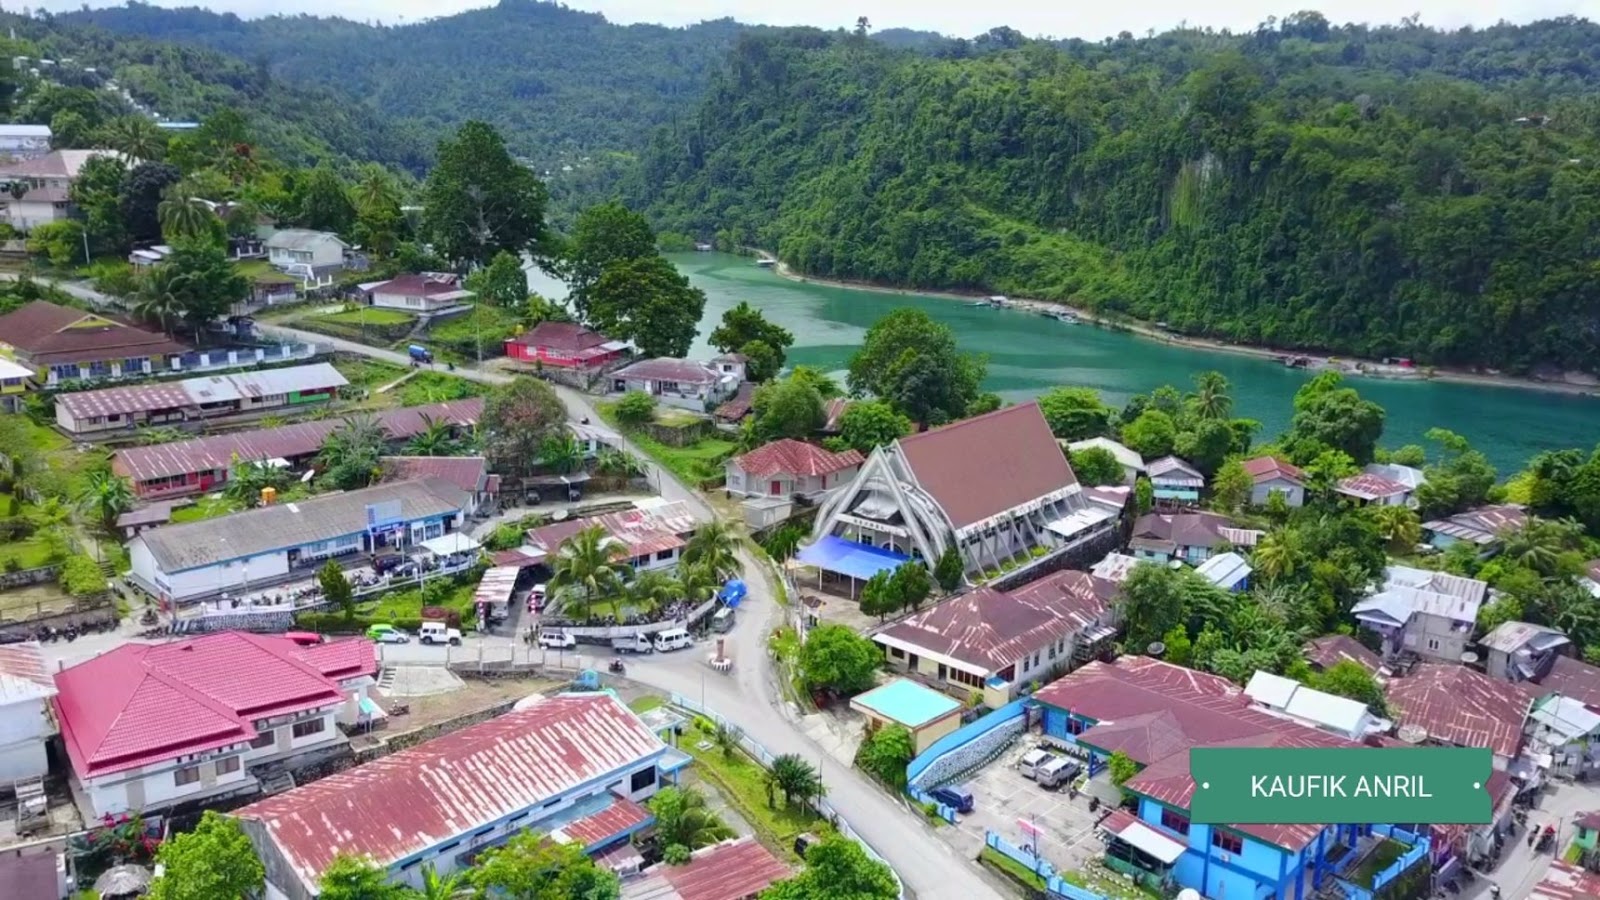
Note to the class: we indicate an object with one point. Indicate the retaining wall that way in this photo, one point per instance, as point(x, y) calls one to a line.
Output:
point(967, 747)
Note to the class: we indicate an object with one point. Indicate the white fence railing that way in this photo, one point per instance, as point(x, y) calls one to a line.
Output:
point(763, 756)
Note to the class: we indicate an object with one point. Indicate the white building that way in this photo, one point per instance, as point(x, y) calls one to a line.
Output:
point(574, 766)
point(1270, 475)
point(788, 468)
point(1289, 699)
point(25, 690)
point(314, 257)
point(149, 725)
point(1422, 611)
point(45, 183)
point(682, 383)
point(267, 544)
point(21, 142)
point(424, 293)
point(1130, 460)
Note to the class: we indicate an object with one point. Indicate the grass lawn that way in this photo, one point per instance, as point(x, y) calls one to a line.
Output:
point(252, 268)
point(1378, 860)
point(1011, 868)
point(491, 323)
point(203, 509)
point(436, 387)
point(368, 315)
point(693, 464)
point(741, 781)
point(646, 703)
point(367, 373)
point(29, 554)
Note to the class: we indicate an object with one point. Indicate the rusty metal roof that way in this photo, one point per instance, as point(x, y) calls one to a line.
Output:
point(732, 870)
point(202, 389)
point(1565, 881)
point(1330, 650)
point(404, 804)
point(1461, 706)
point(23, 674)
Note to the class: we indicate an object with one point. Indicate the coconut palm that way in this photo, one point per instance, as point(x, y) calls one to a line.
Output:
point(106, 496)
point(1538, 545)
point(374, 189)
point(612, 461)
point(182, 216)
point(715, 547)
point(433, 440)
point(586, 568)
point(248, 478)
point(349, 456)
point(653, 589)
point(1399, 525)
point(796, 778)
point(1277, 554)
point(136, 136)
point(1210, 398)
point(697, 582)
point(561, 453)
point(159, 297)
point(682, 818)
point(443, 887)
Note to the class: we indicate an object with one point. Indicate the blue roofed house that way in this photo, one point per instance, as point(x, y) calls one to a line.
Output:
point(1175, 482)
point(926, 713)
point(996, 488)
point(1155, 712)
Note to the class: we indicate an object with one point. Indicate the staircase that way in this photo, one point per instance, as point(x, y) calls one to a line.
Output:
point(275, 781)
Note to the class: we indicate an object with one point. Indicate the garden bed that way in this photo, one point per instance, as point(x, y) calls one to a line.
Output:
point(692, 463)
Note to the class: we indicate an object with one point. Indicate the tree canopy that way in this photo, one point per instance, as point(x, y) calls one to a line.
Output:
point(911, 362)
point(478, 201)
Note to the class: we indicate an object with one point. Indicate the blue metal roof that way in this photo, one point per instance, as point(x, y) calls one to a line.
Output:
point(835, 554)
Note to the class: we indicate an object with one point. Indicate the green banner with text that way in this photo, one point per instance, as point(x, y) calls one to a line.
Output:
point(1329, 786)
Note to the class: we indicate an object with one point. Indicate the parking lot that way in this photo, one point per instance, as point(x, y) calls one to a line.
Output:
point(1002, 796)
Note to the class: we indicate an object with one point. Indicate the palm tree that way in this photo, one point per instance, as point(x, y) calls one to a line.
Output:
point(683, 818)
point(653, 589)
point(374, 188)
point(1536, 546)
point(106, 496)
point(349, 455)
point(785, 542)
point(433, 440)
point(248, 478)
point(158, 298)
point(1210, 397)
point(586, 567)
point(697, 582)
point(796, 778)
point(137, 137)
point(1277, 554)
point(713, 546)
point(437, 887)
point(1399, 525)
point(612, 461)
point(182, 216)
point(562, 453)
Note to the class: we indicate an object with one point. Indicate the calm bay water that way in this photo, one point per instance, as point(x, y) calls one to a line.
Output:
point(1029, 354)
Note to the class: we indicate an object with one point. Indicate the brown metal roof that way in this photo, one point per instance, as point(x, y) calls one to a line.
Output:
point(1327, 652)
point(1368, 486)
point(468, 779)
point(44, 332)
point(123, 400)
point(1266, 468)
point(284, 442)
point(565, 337)
point(983, 466)
point(1192, 529)
point(792, 457)
point(1572, 678)
point(1461, 706)
point(682, 371)
point(733, 870)
point(469, 473)
point(1565, 881)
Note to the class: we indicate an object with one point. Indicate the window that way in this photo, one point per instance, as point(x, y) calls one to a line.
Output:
point(186, 775)
point(228, 766)
point(897, 653)
point(1433, 643)
point(309, 727)
point(663, 555)
point(264, 740)
point(1077, 726)
point(642, 779)
point(1172, 820)
point(1226, 841)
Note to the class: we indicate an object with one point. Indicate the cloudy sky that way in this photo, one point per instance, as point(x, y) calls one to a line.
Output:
point(1034, 17)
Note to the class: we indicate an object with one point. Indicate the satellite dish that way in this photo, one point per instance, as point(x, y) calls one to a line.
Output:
point(1412, 734)
point(1188, 894)
point(1469, 658)
point(1156, 648)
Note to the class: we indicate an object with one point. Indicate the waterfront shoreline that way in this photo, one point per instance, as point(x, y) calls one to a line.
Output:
point(1351, 366)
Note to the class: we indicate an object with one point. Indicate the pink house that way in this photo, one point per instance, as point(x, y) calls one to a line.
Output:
point(565, 345)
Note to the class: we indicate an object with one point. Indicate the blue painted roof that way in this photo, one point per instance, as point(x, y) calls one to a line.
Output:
point(907, 702)
point(835, 554)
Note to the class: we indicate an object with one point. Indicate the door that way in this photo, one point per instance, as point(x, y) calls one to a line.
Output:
point(777, 489)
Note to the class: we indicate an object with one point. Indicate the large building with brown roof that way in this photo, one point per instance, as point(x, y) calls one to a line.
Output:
point(1452, 705)
point(41, 186)
point(62, 344)
point(995, 642)
point(996, 488)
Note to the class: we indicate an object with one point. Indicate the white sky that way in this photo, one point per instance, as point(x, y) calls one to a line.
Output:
point(965, 18)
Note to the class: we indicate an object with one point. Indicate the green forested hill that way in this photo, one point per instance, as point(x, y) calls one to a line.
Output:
point(1360, 191)
point(299, 125)
point(558, 83)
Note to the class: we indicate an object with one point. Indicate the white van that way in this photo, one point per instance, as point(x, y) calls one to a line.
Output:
point(672, 639)
point(1034, 760)
point(1057, 772)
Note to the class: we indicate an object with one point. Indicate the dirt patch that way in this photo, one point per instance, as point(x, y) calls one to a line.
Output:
point(471, 695)
point(31, 602)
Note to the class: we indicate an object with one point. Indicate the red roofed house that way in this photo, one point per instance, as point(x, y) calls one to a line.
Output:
point(426, 292)
point(1452, 705)
point(996, 488)
point(565, 345)
point(1155, 712)
point(1567, 881)
point(1325, 652)
point(574, 766)
point(469, 473)
point(647, 539)
point(732, 870)
point(996, 642)
point(61, 344)
point(1270, 475)
point(149, 725)
point(789, 467)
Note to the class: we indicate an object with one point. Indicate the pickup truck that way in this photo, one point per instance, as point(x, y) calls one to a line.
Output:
point(633, 643)
point(439, 633)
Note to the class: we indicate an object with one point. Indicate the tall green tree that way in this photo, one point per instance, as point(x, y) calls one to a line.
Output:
point(532, 867)
point(683, 818)
point(136, 137)
point(744, 324)
point(838, 659)
point(786, 409)
point(214, 861)
point(646, 301)
point(97, 193)
point(587, 568)
point(869, 424)
point(517, 420)
point(502, 283)
point(603, 236)
point(837, 868)
point(1152, 603)
point(106, 496)
point(142, 191)
point(325, 202)
point(912, 362)
point(1075, 413)
point(478, 201)
point(353, 878)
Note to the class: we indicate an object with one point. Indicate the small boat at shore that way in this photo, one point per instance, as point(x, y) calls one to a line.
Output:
point(766, 262)
point(1065, 317)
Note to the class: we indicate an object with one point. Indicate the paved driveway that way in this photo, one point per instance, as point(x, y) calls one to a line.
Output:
point(1002, 798)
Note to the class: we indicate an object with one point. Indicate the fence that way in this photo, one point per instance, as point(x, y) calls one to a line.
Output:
point(968, 746)
point(1055, 885)
point(761, 755)
point(602, 633)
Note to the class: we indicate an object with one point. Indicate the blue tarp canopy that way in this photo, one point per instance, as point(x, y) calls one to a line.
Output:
point(733, 592)
point(835, 554)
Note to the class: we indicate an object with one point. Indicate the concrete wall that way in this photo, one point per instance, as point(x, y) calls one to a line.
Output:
point(967, 747)
point(23, 730)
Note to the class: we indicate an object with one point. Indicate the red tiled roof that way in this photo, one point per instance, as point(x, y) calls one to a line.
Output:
point(1333, 649)
point(662, 368)
point(991, 629)
point(1266, 468)
point(1565, 881)
point(284, 442)
point(732, 870)
point(1155, 712)
point(983, 466)
point(418, 285)
point(1571, 678)
point(1368, 486)
point(622, 815)
point(42, 330)
point(1461, 706)
point(469, 473)
point(144, 703)
point(563, 337)
point(792, 457)
point(468, 778)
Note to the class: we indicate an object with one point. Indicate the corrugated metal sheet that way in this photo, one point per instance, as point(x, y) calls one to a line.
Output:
point(204, 389)
point(417, 799)
point(1457, 705)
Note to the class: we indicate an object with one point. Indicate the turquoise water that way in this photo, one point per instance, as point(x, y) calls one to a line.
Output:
point(1029, 354)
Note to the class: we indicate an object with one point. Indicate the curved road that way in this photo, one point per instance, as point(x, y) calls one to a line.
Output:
point(750, 697)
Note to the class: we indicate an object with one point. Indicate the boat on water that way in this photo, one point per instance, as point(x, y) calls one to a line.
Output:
point(1065, 317)
point(998, 301)
point(766, 262)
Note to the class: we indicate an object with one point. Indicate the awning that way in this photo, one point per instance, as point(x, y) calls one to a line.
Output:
point(446, 544)
point(1134, 832)
point(1176, 494)
point(835, 554)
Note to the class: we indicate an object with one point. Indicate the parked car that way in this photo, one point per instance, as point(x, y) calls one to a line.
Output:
point(387, 634)
point(955, 796)
point(672, 639)
point(439, 633)
point(382, 564)
point(1057, 772)
point(536, 598)
point(1032, 761)
point(633, 643)
point(557, 640)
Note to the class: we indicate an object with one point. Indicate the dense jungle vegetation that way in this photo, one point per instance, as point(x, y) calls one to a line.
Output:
point(1384, 192)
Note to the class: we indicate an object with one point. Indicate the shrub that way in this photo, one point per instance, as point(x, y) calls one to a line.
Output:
point(635, 408)
point(16, 528)
point(81, 576)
